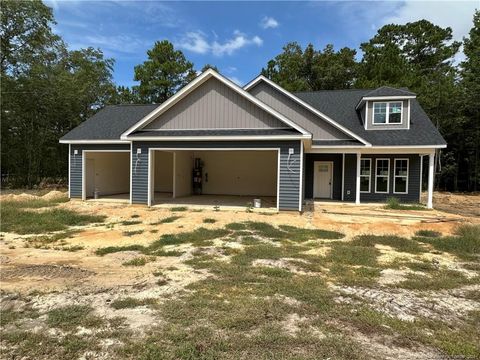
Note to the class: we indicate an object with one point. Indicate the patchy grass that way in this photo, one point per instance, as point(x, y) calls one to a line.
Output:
point(167, 220)
point(438, 280)
point(139, 261)
point(178, 208)
point(353, 255)
point(465, 243)
point(71, 316)
point(18, 219)
point(130, 222)
point(428, 233)
point(132, 233)
point(134, 216)
point(396, 242)
point(394, 204)
point(209, 221)
point(129, 303)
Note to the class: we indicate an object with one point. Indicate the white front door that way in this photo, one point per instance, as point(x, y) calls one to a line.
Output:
point(322, 179)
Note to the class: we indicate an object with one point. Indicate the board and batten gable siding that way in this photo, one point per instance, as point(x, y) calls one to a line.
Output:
point(76, 163)
point(289, 181)
point(369, 119)
point(413, 178)
point(213, 105)
point(319, 128)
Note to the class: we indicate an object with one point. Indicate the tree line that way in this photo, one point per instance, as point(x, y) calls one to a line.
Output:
point(46, 89)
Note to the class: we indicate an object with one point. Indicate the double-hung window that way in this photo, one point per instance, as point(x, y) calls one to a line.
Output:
point(365, 175)
point(382, 175)
point(400, 180)
point(387, 112)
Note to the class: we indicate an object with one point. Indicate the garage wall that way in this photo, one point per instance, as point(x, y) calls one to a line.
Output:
point(112, 172)
point(183, 173)
point(239, 172)
point(163, 171)
point(76, 163)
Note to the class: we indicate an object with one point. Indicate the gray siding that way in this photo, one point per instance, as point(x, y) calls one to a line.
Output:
point(372, 126)
point(413, 178)
point(213, 105)
point(76, 163)
point(319, 128)
point(337, 173)
point(289, 175)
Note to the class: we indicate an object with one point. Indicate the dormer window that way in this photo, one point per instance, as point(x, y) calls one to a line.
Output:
point(387, 112)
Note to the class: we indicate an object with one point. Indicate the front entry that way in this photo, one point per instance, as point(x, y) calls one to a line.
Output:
point(323, 179)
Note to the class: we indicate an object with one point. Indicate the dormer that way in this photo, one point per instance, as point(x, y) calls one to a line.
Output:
point(386, 108)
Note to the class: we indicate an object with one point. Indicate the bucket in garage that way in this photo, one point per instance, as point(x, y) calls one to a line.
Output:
point(257, 203)
point(96, 194)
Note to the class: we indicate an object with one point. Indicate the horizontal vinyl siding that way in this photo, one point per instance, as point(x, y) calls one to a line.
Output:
point(413, 178)
point(289, 175)
point(320, 129)
point(76, 163)
point(213, 105)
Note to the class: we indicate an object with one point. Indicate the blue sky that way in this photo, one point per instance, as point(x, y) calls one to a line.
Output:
point(238, 37)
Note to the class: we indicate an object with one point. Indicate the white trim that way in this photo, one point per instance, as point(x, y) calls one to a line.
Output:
point(397, 97)
point(431, 177)
point(387, 113)
point(400, 176)
point(69, 168)
point(409, 107)
point(131, 173)
point(304, 104)
point(369, 176)
point(94, 141)
point(331, 177)
point(150, 173)
point(343, 175)
point(220, 149)
point(377, 176)
point(84, 184)
point(218, 128)
point(233, 138)
point(300, 194)
point(357, 179)
point(197, 82)
point(374, 150)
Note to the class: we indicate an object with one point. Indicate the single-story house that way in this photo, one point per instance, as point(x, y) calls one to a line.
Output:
point(214, 137)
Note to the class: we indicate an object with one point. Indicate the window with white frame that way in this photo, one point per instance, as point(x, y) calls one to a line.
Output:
point(400, 180)
point(387, 112)
point(382, 171)
point(365, 175)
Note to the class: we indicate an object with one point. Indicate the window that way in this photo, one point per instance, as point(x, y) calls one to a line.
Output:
point(365, 173)
point(387, 112)
point(382, 171)
point(400, 181)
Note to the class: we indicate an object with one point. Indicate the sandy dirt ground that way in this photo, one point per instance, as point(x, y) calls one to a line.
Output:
point(53, 277)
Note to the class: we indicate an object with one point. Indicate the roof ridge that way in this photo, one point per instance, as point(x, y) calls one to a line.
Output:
point(316, 91)
point(133, 104)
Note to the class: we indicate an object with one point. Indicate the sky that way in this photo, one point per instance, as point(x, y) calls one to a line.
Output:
point(237, 37)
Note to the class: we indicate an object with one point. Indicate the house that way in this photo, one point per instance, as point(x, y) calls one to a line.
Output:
point(260, 141)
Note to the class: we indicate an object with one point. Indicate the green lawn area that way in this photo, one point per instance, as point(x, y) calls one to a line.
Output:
point(272, 296)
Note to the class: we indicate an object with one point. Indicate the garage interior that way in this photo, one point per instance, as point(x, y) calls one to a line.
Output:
point(108, 175)
point(214, 177)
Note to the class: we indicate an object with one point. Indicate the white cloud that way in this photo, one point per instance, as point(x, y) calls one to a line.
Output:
point(455, 14)
point(197, 42)
point(269, 23)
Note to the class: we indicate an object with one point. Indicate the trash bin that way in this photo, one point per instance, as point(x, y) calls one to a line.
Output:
point(257, 203)
point(96, 194)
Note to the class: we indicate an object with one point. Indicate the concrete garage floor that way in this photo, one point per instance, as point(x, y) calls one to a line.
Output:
point(225, 202)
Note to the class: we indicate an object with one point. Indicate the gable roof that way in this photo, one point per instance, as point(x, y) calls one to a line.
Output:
point(109, 123)
point(340, 105)
point(187, 89)
point(298, 100)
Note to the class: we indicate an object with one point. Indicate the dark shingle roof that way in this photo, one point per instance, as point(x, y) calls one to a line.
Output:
point(337, 143)
point(388, 91)
point(110, 122)
point(214, 132)
point(340, 106)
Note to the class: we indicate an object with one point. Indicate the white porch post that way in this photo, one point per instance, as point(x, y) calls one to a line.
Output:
point(431, 165)
point(357, 183)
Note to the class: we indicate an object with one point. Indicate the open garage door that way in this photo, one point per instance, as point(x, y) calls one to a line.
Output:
point(107, 175)
point(217, 177)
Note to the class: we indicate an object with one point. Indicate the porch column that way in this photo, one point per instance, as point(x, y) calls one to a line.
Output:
point(357, 183)
point(431, 165)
